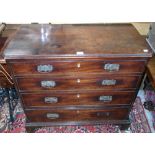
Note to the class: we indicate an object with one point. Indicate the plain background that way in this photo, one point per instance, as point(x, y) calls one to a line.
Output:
point(76, 11)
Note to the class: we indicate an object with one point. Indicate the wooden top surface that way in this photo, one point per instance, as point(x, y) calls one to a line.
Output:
point(100, 40)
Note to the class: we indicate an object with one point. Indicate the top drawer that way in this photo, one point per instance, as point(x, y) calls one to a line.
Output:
point(75, 67)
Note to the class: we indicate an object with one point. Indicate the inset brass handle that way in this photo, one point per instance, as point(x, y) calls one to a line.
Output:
point(44, 68)
point(112, 67)
point(48, 84)
point(108, 82)
point(51, 100)
point(105, 98)
point(52, 115)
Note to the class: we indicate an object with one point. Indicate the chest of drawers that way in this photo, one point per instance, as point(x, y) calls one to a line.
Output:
point(77, 74)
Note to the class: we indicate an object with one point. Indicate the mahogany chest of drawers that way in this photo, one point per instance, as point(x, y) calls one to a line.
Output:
point(78, 74)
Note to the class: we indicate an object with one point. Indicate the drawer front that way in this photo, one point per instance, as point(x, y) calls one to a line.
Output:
point(75, 115)
point(74, 99)
point(69, 83)
point(67, 67)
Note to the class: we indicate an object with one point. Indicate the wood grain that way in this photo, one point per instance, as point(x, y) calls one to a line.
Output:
point(102, 40)
point(76, 115)
point(77, 99)
point(77, 83)
point(71, 67)
point(78, 78)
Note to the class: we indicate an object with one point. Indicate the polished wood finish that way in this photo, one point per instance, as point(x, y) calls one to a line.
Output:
point(72, 61)
point(71, 67)
point(50, 41)
point(75, 115)
point(78, 98)
point(151, 70)
point(77, 83)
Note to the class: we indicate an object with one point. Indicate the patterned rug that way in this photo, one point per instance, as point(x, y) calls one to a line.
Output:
point(139, 122)
point(150, 96)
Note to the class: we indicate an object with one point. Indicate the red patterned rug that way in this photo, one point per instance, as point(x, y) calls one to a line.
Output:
point(139, 123)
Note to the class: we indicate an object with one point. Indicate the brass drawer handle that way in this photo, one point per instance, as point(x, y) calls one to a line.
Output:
point(105, 98)
point(48, 84)
point(112, 67)
point(108, 82)
point(52, 115)
point(102, 114)
point(51, 100)
point(44, 68)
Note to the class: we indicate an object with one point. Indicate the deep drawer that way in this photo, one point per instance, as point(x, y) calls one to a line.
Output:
point(75, 67)
point(76, 83)
point(78, 99)
point(75, 115)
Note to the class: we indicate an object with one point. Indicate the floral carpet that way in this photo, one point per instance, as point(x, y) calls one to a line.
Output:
point(150, 96)
point(139, 122)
